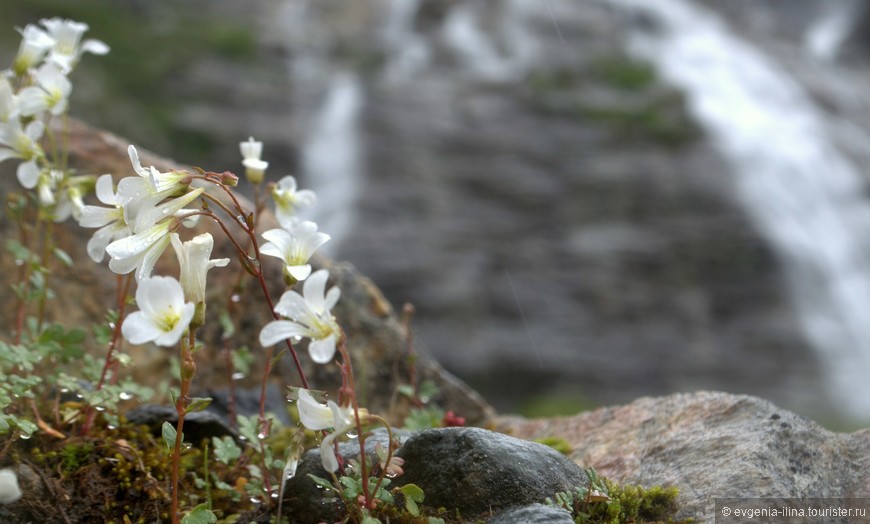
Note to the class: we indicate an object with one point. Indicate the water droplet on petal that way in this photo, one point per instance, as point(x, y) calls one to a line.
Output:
point(238, 376)
point(124, 395)
point(235, 297)
point(100, 408)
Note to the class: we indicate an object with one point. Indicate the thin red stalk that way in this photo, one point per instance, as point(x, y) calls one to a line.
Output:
point(188, 368)
point(121, 301)
point(361, 436)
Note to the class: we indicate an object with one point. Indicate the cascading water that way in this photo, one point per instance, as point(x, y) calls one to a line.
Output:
point(805, 196)
point(330, 159)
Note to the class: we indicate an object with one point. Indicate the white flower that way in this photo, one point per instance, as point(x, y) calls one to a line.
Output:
point(110, 220)
point(294, 245)
point(34, 44)
point(169, 181)
point(70, 202)
point(254, 167)
point(309, 317)
point(47, 183)
point(22, 143)
point(163, 314)
point(51, 92)
point(151, 237)
point(193, 259)
point(9, 490)
point(316, 417)
point(288, 200)
point(67, 46)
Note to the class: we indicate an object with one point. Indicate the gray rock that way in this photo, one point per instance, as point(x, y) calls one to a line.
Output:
point(197, 426)
point(533, 514)
point(711, 444)
point(479, 472)
point(304, 501)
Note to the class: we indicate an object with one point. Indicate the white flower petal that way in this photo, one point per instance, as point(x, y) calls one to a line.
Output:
point(300, 273)
point(9, 489)
point(332, 297)
point(139, 329)
point(158, 294)
point(96, 47)
point(96, 216)
point(312, 414)
point(322, 351)
point(278, 330)
point(105, 190)
point(327, 454)
point(292, 305)
point(313, 290)
point(28, 174)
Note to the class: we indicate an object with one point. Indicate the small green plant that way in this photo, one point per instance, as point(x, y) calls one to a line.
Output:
point(602, 501)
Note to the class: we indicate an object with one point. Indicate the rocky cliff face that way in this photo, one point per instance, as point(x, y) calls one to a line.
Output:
point(548, 202)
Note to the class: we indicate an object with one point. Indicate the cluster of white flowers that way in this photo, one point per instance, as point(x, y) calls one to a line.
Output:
point(306, 315)
point(138, 218)
point(144, 213)
point(33, 90)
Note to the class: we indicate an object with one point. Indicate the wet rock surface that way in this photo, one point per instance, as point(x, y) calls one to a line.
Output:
point(532, 514)
point(473, 471)
point(480, 472)
point(711, 444)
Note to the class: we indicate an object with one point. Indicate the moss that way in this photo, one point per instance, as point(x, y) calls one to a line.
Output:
point(662, 120)
point(625, 73)
point(604, 501)
point(74, 455)
point(559, 444)
point(555, 405)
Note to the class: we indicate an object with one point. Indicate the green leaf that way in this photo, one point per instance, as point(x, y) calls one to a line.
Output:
point(322, 482)
point(169, 435)
point(248, 428)
point(225, 449)
point(226, 322)
point(199, 515)
point(198, 404)
point(423, 418)
point(26, 427)
point(413, 495)
point(370, 520)
point(63, 256)
point(173, 397)
point(427, 390)
point(406, 390)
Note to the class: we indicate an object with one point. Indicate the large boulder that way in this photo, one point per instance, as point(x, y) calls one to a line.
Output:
point(479, 472)
point(711, 445)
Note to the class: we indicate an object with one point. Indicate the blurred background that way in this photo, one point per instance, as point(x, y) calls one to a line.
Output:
point(586, 201)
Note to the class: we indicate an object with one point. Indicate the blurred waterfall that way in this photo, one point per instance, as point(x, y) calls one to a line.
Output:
point(805, 196)
point(331, 159)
